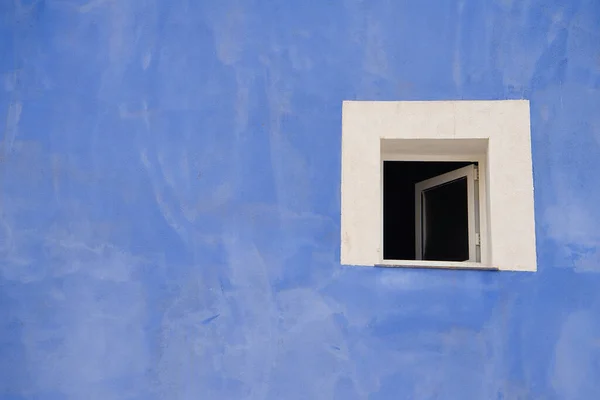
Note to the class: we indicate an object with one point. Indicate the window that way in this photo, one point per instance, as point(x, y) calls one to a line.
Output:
point(431, 211)
point(446, 226)
point(437, 185)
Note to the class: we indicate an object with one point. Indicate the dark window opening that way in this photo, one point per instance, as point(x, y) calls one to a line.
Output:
point(445, 227)
point(444, 212)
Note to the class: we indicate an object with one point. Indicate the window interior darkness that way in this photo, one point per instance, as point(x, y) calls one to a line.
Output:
point(399, 179)
point(446, 228)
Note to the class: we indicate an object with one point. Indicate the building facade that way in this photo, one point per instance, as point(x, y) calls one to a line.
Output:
point(170, 201)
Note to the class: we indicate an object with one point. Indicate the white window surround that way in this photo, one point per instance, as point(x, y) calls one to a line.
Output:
point(495, 134)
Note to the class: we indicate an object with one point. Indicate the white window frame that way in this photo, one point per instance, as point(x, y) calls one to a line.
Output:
point(484, 256)
point(498, 131)
point(470, 174)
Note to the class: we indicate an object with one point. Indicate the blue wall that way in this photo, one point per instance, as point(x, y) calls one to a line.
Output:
point(170, 206)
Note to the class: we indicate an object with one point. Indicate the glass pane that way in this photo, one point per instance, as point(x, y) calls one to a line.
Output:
point(445, 222)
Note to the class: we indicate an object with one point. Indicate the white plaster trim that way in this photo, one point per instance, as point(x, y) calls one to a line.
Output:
point(495, 132)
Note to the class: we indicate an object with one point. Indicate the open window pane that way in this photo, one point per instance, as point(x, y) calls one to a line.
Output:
point(445, 215)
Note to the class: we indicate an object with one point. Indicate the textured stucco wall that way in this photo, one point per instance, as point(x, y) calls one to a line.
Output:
point(169, 202)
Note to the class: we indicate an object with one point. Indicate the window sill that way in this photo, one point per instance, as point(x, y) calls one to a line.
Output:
point(434, 264)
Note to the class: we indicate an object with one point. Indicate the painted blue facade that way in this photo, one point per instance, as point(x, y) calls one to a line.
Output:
point(170, 202)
